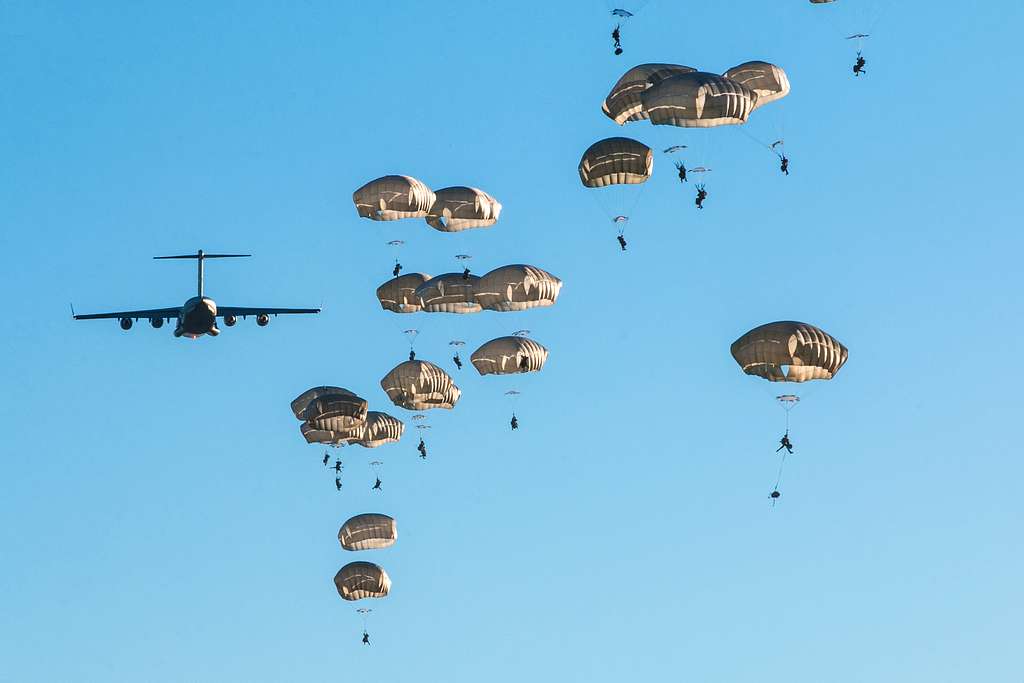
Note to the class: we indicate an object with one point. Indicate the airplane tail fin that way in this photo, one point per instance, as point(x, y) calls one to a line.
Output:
point(201, 256)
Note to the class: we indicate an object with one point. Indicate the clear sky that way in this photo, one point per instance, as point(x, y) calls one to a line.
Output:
point(162, 519)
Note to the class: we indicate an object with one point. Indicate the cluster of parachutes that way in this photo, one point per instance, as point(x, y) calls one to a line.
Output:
point(516, 287)
point(335, 416)
point(450, 209)
point(672, 94)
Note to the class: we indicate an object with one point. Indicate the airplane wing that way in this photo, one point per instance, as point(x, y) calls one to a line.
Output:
point(150, 313)
point(243, 311)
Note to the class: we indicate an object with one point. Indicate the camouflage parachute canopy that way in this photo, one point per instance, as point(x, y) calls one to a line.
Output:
point(370, 531)
point(359, 580)
point(329, 407)
point(672, 94)
point(420, 385)
point(509, 355)
point(788, 351)
point(449, 293)
point(616, 161)
point(399, 294)
point(517, 287)
point(462, 208)
point(393, 197)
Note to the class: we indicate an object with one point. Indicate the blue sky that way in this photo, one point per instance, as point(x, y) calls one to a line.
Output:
point(164, 521)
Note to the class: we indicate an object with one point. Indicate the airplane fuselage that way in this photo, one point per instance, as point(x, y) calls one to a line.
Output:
point(197, 317)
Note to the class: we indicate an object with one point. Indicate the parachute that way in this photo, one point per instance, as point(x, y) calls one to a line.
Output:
point(625, 14)
point(370, 531)
point(449, 293)
point(360, 580)
point(788, 351)
point(616, 161)
point(420, 385)
point(461, 208)
point(517, 288)
point(399, 294)
point(623, 102)
point(698, 100)
point(393, 197)
point(673, 149)
point(331, 438)
point(379, 429)
point(328, 408)
point(509, 355)
point(767, 80)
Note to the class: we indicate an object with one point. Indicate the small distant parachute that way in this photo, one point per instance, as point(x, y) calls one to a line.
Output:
point(396, 243)
point(673, 149)
point(521, 333)
point(456, 342)
point(508, 356)
point(512, 392)
point(449, 293)
point(625, 14)
point(420, 385)
point(370, 531)
point(399, 294)
point(616, 161)
point(858, 36)
point(787, 401)
point(620, 219)
point(698, 169)
point(419, 416)
point(776, 144)
point(461, 208)
point(789, 351)
point(360, 580)
point(517, 287)
point(393, 197)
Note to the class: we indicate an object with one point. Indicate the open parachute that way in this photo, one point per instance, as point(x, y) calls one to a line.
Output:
point(361, 580)
point(370, 531)
point(673, 94)
point(789, 351)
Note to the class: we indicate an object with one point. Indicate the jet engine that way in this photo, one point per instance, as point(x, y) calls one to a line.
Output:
point(230, 320)
point(126, 324)
point(157, 323)
point(263, 320)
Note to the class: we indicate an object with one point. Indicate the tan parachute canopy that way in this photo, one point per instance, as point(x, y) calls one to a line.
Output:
point(399, 294)
point(504, 356)
point(370, 531)
point(392, 197)
point(698, 100)
point(358, 580)
point(517, 288)
point(767, 80)
point(616, 161)
point(320, 404)
point(623, 102)
point(379, 429)
point(788, 351)
point(419, 385)
point(461, 208)
point(449, 293)
point(336, 412)
point(325, 436)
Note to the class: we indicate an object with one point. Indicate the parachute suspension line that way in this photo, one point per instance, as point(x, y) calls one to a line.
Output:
point(782, 463)
point(742, 128)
